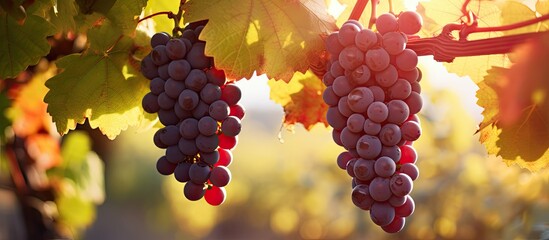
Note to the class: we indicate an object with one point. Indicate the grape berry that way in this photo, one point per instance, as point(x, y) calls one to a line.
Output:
point(199, 110)
point(373, 93)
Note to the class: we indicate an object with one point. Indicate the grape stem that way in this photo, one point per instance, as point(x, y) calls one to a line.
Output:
point(464, 32)
point(170, 15)
point(373, 14)
point(358, 9)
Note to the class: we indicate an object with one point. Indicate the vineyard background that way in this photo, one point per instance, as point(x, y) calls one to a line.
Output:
point(285, 183)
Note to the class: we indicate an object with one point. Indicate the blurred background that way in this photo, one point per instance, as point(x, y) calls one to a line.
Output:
point(286, 184)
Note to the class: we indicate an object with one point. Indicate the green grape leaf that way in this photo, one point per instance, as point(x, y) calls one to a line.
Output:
point(276, 37)
point(91, 6)
point(125, 14)
point(14, 9)
point(103, 86)
point(301, 99)
point(62, 16)
point(22, 45)
point(516, 107)
point(4, 106)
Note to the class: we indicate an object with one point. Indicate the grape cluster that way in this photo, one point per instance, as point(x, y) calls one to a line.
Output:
point(199, 110)
point(373, 93)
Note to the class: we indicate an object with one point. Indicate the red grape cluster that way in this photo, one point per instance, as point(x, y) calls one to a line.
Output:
point(373, 93)
point(199, 110)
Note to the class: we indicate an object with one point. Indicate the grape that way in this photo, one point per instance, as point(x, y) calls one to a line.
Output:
point(394, 42)
point(210, 93)
point(347, 34)
point(150, 103)
point(410, 169)
point(207, 126)
point(156, 139)
point(330, 97)
point(188, 128)
point(359, 99)
point(173, 88)
point(386, 22)
point(387, 77)
point(215, 196)
point(210, 158)
point(371, 127)
point(219, 110)
point(207, 143)
point(199, 173)
point(361, 197)
point(194, 191)
point(385, 167)
point(341, 86)
point(196, 56)
point(401, 184)
point(328, 79)
point(379, 94)
point(414, 118)
point(174, 155)
point(397, 201)
point(419, 74)
point(190, 34)
point(398, 111)
point(332, 44)
point(400, 90)
point(160, 38)
point(188, 99)
point(159, 55)
point(176, 49)
point(395, 226)
point(348, 138)
point(336, 69)
point(365, 39)
point(414, 102)
point(179, 69)
point(220, 176)
point(390, 134)
point(382, 214)
point(360, 75)
point(148, 69)
point(377, 59)
point(410, 130)
point(355, 123)
point(380, 188)
point(408, 154)
point(157, 85)
point(165, 101)
point(163, 71)
point(231, 126)
point(188, 44)
point(181, 172)
point(196, 80)
point(336, 119)
point(406, 209)
point(216, 76)
point(409, 22)
point(170, 135)
point(351, 166)
point(187, 146)
point(368, 147)
point(343, 158)
point(201, 110)
point(406, 60)
point(409, 75)
point(416, 87)
point(343, 107)
point(167, 117)
point(351, 57)
point(237, 111)
point(364, 169)
point(227, 142)
point(225, 157)
point(393, 152)
point(164, 167)
point(378, 112)
point(231, 94)
point(336, 136)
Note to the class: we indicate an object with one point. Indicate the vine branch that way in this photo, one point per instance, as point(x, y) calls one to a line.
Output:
point(358, 9)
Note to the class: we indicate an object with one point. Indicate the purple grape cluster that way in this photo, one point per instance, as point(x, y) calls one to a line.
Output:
point(199, 110)
point(373, 93)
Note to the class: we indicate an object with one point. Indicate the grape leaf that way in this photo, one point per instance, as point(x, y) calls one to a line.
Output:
point(63, 19)
point(103, 86)
point(162, 24)
point(513, 12)
point(4, 105)
point(542, 6)
point(301, 99)
point(516, 107)
point(90, 6)
point(125, 14)
point(22, 45)
point(276, 37)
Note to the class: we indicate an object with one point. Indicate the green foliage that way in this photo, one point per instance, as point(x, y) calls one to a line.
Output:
point(22, 45)
point(268, 36)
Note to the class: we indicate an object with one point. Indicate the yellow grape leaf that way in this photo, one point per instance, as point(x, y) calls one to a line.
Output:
point(516, 107)
point(102, 85)
point(301, 99)
point(542, 6)
point(276, 37)
point(162, 23)
point(513, 12)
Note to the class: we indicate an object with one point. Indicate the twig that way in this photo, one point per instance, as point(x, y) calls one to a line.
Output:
point(358, 9)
